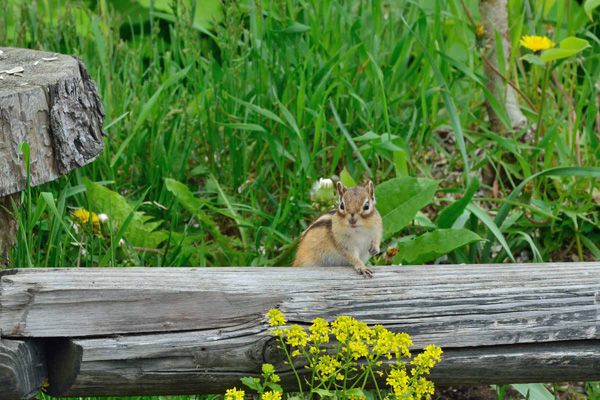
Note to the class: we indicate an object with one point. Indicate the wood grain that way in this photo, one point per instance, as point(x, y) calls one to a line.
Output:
point(22, 369)
point(53, 106)
point(198, 330)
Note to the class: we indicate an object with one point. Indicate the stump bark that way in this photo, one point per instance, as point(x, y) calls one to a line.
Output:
point(49, 101)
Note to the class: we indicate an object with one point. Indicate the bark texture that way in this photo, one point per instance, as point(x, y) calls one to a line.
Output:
point(134, 331)
point(8, 226)
point(53, 105)
point(494, 17)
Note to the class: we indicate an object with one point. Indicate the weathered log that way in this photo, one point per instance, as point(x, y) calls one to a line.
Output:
point(53, 105)
point(22, 369)
point(198, 330)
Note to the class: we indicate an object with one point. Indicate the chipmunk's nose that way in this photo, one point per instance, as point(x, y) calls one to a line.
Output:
point(352, 219)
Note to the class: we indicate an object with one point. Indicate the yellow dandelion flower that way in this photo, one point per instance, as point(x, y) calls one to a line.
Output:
point(272, 395)
point(536, 43)
point(276, 317)
point(82, 218)
point(234, 394)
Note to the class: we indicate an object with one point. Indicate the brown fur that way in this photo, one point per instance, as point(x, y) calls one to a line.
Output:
point(345, 236)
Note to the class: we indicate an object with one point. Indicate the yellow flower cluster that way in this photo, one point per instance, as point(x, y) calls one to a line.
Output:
point(319, 331)
point(327, 365)
point(276, 317)
point(82, 218)
point(272, 395)
point(426, 360)
point(356, 340)
point(234, 394)
point(269, 373)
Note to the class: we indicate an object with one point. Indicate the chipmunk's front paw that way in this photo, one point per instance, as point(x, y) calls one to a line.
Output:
point(366, 272)
point(374, 249)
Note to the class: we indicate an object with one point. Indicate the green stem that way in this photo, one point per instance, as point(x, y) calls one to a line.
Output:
point(542, 105)
point(292, 365)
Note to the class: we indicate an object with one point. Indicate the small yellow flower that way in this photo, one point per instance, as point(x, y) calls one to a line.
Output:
point(339, 377)
point(276, 317)
point(479, 30)
point(82, 218)
point(268, 369)
point(272, 395)
point(234, 394)
point(536, 43)
point(297, 336)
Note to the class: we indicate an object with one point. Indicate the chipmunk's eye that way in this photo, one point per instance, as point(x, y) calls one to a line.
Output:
point(342, 205)
point(366, 207)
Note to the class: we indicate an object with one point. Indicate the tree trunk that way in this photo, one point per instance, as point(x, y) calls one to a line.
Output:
point(494, 18)
point(8, 226)
point(50, 102)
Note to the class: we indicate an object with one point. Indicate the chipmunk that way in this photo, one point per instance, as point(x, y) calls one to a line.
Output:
point(346, 236)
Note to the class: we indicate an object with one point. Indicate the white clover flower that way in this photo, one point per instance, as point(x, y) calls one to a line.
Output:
point(103, 218)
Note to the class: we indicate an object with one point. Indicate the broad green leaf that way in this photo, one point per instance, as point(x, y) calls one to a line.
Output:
point(534, 391)
point(249, 381)
point(141, 231)
point(399, 200)
point(589, 6)
point(346, 178)
point(533, 59)
point(275, 387)
point(568, 47)
point(433, 245)
point(185, 195)
point(355, 392)
point(451, 213)
point(324, 392)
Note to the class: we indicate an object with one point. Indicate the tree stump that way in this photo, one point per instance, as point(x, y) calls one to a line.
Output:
point(49, 101)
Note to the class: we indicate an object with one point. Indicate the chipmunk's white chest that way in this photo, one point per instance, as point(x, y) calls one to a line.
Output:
point(358, 240)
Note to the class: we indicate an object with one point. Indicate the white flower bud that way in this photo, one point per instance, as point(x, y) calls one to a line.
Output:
point(103, 218)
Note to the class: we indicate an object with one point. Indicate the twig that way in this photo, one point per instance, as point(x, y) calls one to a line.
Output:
point(511, 83)
point(148, 250)
point(80, 250)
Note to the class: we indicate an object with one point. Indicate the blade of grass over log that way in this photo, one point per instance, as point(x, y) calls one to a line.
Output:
point(588, 172)
point(494, 230)
point(450, 214)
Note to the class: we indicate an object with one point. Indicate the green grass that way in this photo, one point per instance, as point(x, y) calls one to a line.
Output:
point(249, 113)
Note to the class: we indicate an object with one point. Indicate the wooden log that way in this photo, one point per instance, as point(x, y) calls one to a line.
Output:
point(198, 330)
point(53, 105)
point(213, 361)
point(22, 369)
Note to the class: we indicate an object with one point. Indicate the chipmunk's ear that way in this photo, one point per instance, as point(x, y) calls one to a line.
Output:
point(341, 189)
point(371, 189)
